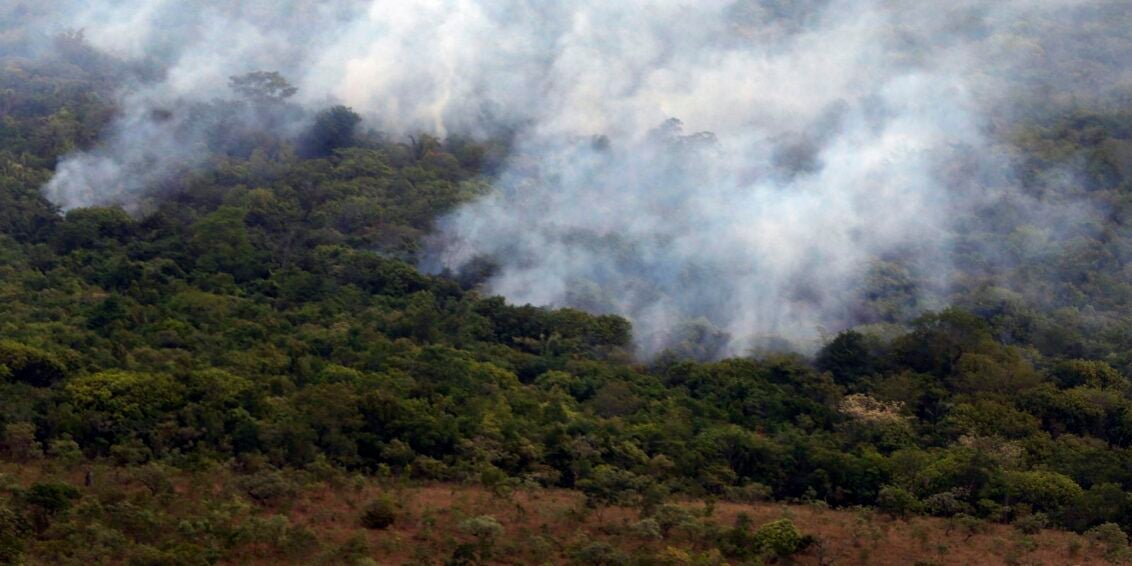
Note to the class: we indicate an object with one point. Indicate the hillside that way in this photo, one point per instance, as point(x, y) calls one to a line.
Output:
point(316, 517)
point(237, 354)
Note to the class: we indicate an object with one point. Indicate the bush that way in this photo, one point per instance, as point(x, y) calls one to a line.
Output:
point(993, 510)
point(1049, 491)
point(486, 529)
point(154, 477)
point(897, 501)
point(967, 525)
point(599, 554)
point(609, 485)
point(647, 528)
point(483, 527)
point(20, 442)
point(739, 542)
point(1032, 524)
point(44, 501)
point(1074, 373)
point(13, 530)
point(381, 513)
point(52, 498)
point(946, 504)
point(354, 551)
point(1114, 539)
point(267, 486)
point(750, 493)
point(130, 453)
point(65, 450)
point(671, 516)
point(780, 538)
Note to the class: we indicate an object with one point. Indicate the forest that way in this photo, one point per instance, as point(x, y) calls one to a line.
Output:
point(180, 373)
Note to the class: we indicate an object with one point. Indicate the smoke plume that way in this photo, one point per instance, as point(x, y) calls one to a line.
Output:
point(725, 173)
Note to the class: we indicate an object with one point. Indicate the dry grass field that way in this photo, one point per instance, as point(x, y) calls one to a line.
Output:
point(318, 521)
point(550, 526)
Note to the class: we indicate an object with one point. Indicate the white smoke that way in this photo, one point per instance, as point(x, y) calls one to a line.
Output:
point(814, 139)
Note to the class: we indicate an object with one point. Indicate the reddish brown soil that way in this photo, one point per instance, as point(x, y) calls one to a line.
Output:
point(428, 530)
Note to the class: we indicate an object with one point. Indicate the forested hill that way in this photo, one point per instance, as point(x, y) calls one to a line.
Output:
point(260, 314)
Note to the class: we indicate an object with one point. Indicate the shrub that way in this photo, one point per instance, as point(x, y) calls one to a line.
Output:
point(381, 513)
point(354, 550)
point(1032, 524)
point(946, 504)
point(1045, 490)
point(267, 486)
point(483, 527)
point(52, 498)
point(739, 542)
point(780, 538)
point(65, 450)
point(1074, 373)
point(993, 510)
point(599, 554)
point(300, 541)
point(46, 500)
point(13, 530)
point(967, 525)
point(20, 442)
point(154, 477)
point(463, 555)
point(647, 528)
point(1113, 538)
point(130, 452)
point(897, 501)
point(671, 516)
point(750, 493)
point(486, 529)
point(609, 485)
point(146, 555)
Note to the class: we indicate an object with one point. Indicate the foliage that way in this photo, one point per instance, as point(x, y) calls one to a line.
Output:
point(897, 501)
point(13, 532)
point(263, 310)
point(1032, 524)
point(380, 513)
point(333, 129)
point(1046, 491)
point(1112, 538)
point(779, 538)
point(267, 486)
point(30, 365)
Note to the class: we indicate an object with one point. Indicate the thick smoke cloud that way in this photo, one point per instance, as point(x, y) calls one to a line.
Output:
point(721, 172)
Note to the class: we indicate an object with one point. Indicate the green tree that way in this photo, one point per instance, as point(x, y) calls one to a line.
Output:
point(849, 357)
point(1042, 490)
point(222, 243)
point(332, 129)
point(30, 365)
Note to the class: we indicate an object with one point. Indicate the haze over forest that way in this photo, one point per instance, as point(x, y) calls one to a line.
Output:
point(741, 172)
